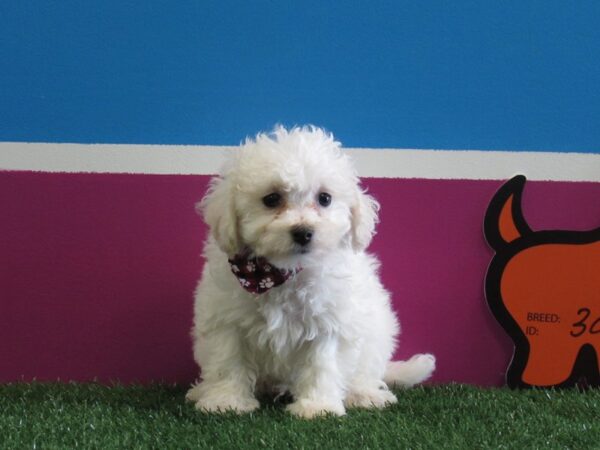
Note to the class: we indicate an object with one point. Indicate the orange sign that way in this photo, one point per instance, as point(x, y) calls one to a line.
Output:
point(543, 287)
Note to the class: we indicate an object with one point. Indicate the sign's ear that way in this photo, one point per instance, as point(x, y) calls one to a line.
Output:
point(504, 220)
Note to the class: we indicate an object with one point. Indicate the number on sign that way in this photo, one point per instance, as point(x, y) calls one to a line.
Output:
point(582, 326)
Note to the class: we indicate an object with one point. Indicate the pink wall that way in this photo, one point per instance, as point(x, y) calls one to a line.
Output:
point(97, 271)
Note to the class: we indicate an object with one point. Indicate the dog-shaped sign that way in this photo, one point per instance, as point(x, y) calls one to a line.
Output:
point(543, 287)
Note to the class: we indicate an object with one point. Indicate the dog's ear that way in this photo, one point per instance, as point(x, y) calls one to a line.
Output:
point(364, 217)
point(218, 210)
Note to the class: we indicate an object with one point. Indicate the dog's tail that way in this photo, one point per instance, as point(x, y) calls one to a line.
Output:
point(504, 222)
point(408, 373)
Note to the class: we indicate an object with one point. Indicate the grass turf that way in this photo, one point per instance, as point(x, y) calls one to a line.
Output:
point(93, 416)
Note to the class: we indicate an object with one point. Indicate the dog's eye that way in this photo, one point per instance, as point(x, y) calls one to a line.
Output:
point(324, 199)
point(272, 200)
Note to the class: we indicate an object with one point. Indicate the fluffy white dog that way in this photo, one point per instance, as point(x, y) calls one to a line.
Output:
point(289, 300)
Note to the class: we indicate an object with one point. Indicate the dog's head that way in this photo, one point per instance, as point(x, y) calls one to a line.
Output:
point(288, 196)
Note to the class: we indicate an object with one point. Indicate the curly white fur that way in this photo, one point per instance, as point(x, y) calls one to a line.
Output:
point(327, 334)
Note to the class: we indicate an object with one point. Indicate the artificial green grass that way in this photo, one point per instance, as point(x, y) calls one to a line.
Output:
point(93, 416)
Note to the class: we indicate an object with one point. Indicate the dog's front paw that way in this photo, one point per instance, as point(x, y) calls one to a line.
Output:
point(309, 409)
point(227, 404)
point(369, 398)
point(215, 403)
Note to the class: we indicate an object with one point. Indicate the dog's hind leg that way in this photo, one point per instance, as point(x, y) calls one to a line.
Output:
point(367, 388)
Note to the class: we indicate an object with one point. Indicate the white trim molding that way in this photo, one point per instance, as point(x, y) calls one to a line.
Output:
point(371, 163)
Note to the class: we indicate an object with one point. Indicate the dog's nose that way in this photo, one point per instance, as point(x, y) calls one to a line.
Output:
point(302, 235)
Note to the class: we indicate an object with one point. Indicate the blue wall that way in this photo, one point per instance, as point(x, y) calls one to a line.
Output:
point(437, 74)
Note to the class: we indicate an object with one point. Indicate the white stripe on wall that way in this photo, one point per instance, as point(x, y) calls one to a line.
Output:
point(382, 163)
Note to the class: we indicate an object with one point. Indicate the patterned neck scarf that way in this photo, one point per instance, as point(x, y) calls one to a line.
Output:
point(256, 274)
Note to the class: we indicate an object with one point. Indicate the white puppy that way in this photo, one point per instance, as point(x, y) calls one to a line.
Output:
point(288, 299)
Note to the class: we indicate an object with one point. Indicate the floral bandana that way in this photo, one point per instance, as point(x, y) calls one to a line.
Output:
point(256, 274)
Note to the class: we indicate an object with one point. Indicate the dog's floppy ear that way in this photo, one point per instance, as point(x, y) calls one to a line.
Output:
point(364, 217)
point(218, 209)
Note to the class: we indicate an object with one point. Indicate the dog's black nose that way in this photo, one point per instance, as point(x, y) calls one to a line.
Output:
point(302, 235)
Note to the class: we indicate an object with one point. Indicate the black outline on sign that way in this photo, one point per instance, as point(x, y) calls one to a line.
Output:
point(586, 363)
